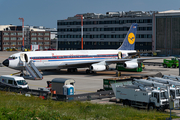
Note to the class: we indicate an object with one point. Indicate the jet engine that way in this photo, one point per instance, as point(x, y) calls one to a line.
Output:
point(130, 65)
point(98, 67)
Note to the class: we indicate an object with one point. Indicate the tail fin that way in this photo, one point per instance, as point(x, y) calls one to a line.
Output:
point(129, 41)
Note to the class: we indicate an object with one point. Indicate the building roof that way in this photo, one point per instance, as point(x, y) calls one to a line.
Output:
point(2, 27)
point(31, 28)
point(170, 11)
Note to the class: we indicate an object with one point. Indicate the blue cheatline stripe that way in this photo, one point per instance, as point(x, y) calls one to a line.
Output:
point(74, 56)
point(78, 59)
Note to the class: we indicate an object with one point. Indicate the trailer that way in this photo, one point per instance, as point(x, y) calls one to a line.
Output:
point(123, 80)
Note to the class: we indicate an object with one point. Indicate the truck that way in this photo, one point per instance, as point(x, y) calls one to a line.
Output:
point(174, 90)
point(174, 63)
point(133, 95)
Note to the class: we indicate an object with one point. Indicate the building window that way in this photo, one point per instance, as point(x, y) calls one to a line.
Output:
point(20, 33)
point(40, 34)
point(13, 43)
point(13, 33)
point(13, 38)
point(33, 38)
point(149, 36)
point(40, 43)
point(40, 38)
point(33, 43)
point(6, 38)
point(149, 28)
point(6, 43)
point(46, 43)
point(46, 38)
point(19, 43)
point(33, 34)
point(46, 47)
point(5, 48)
point(6, 33)
point(19, 38)
point(47, 34)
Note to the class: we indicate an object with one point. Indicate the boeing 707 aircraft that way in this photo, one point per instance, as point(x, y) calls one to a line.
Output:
point(95, 60)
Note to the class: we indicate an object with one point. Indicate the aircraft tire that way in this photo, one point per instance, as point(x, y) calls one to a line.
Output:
point(74, 69)
point(87, 71)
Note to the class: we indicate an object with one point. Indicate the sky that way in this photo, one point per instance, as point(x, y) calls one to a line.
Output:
point(47, 12)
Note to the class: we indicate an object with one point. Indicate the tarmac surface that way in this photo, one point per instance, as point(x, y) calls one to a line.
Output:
point(86, 83)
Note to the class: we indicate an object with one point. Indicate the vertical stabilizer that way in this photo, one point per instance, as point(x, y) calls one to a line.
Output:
point(129, 41)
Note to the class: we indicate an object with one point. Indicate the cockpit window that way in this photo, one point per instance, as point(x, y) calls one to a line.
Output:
point(13, 57)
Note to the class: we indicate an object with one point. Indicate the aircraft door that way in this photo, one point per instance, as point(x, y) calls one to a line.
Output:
point(24, 57)
point(119, 55)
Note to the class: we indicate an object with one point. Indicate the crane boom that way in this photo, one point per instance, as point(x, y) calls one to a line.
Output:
point(166, 81)
point(172, 77)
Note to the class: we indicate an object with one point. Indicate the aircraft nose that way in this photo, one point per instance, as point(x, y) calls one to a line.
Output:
point(6, 63)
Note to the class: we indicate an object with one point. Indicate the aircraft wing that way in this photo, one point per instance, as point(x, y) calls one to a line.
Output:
point(136, 59)
point(140, 52)
point(82, 64)
point(89, 63)
point(151, 58)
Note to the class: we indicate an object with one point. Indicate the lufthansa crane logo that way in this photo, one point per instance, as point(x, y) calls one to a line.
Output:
point(131, 38)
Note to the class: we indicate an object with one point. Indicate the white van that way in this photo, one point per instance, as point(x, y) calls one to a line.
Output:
point(13, 81)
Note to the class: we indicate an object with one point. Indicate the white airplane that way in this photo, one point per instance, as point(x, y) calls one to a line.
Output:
point(95, 60)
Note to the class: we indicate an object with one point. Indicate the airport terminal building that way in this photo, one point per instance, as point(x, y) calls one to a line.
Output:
point(167, 32)
point(156, 31)
point(105, 31)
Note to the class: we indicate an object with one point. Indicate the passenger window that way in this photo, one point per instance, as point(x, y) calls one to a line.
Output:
point(15, 84)
point(10, 82)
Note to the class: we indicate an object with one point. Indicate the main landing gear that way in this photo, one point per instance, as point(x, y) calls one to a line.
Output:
point(72, 70)
point(89, 71)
